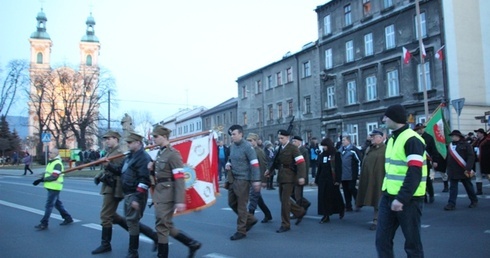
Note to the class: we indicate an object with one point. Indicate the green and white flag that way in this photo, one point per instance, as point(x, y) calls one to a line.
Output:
point(439, 129)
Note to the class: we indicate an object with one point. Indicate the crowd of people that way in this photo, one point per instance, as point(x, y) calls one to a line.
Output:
point(393, 174)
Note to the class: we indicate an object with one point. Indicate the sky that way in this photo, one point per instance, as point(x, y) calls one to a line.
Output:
point(164, 55)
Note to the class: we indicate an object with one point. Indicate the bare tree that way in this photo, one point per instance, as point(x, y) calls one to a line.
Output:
point(17, 78)
point(143, 123)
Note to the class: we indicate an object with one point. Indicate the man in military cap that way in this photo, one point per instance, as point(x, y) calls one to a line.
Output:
point(244, 167)
point(298, 189)
point(288, 159)
point(112, 193)
point(169, 194)
point(135, 183)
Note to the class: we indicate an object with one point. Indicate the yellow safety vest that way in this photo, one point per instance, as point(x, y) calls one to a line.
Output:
point(396, 164)
point(58, 183)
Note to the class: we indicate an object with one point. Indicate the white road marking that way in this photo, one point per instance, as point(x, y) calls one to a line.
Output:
point(217, 255)
point(99, 227)
point(32, 210)
point(64, 189)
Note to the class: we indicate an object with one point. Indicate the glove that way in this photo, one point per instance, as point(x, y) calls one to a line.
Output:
point(432, 175)
point(37, 181)
point(97, 180)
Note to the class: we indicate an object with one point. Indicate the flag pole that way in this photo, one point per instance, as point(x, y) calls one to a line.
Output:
point(422, 61)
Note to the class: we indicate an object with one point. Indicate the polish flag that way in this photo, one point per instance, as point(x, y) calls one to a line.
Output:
point(423, 51)
point(406, 56)
point(439, 54)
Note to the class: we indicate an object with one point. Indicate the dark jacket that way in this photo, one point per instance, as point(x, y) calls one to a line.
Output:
point(465, 150)
point(352, 170)
point(431, 149)
point(134, 171)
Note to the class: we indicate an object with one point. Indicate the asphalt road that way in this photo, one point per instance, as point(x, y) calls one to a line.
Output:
point(461, 233)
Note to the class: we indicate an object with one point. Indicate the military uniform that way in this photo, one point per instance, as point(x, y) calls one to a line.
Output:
point(169, 190)
point(288, 159)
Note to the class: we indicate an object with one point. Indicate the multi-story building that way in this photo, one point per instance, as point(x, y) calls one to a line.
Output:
point(50, 87)
point(185, 122)
point(220, 118)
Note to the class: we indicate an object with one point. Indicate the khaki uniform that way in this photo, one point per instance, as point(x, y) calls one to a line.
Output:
point(168, 191)
point(112, 195)
point(286, 163)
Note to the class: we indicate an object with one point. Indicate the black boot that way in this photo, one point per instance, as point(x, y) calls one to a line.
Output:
point(162, 250)
point(105, 244)
point(446, 187)
point(134, 242)
point(148, 232)
point(479, 188)
point(189, 242)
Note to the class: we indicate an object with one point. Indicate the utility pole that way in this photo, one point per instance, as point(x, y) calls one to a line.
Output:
point(422, 61)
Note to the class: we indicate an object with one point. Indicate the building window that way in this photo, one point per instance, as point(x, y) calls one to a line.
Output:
point(231, 117)
point(368, 44)
point(366, 7)
point(387, 3)
point(308, 105)
point(290, 108)
point(390, 36)
point(349, 51)
point(244, 91)
point(371, 93)
point(271, 112)
point(88, 61)
point(289, 74)
point(306, 69)
point(218, 120)
point(351, 93)
point(327, 25)
point(353, 132)
point(279, 110)
point(328, 59)
point(198, 125)
point(39, 58)
point(278, 78)
point(331, 97)
point(259, 113)
point(347, 15)
point(393, 85)
point(258, 86)
point(269, 82)
point(245, 118)
point(423, 25)
point(427, 76)
point(371, 126)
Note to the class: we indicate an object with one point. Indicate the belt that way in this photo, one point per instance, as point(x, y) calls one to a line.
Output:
point(163, 179)
point(286, 166)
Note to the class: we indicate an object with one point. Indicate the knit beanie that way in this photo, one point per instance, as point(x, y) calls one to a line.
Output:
point(397, 113)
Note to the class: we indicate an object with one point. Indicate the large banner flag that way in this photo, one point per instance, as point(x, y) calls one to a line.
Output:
point(439, 129)
point(199, 155)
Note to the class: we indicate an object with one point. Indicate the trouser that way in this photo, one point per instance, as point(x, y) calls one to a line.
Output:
point(350, 191)
point(164, 224)
point(108, 211)
point(429, 187)
point(53, 200)
point(287, 205)
point(221, 169)
point(256, 199)
point(453, 190)
point(133, 215)
point(270, 180)
point(27, 168)
point(238, 195)
point(478, 175)
point(298, 196)
point(389, 221)
point(313, 167)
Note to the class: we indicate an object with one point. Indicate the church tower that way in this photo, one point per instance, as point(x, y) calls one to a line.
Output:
point(89, 48)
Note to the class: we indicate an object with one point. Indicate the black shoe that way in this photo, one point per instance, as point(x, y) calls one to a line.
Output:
point(348, 209)
point(282, 229)
point(41, 227)
point(306, 207)
point(445, 190)
point(449, 207)
point(325, 219)
point(473, 205)
point(237, 236)
point(66, 222)
point(431, 199)
point(266, 219)
point(249, 226)
point(293, 217)
point(373, 227)
point(341, 214)
point(300, 218)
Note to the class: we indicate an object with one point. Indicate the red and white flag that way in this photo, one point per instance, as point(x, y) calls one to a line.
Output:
point(422, 48)
point(440, 54)
point(406, 56)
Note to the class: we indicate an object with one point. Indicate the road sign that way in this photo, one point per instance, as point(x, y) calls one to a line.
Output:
point(458, 105)
point(46, 137)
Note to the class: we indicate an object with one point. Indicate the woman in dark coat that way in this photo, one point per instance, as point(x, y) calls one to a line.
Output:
point(330, 200)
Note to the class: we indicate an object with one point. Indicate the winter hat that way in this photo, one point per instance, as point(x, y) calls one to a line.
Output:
point(397, 113)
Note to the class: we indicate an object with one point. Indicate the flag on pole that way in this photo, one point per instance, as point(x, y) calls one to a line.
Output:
point(439, 53)
point(406, 56)
point(422, 48)
point(439, 129)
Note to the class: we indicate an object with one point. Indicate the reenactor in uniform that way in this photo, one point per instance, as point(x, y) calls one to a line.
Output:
point(298, 189)
point(169, 192)
point(287, 160)
point(112, 193)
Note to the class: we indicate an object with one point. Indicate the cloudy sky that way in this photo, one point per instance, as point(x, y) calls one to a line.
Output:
point(164, 55)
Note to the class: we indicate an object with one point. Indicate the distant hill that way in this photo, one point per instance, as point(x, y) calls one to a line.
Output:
point(19, 123)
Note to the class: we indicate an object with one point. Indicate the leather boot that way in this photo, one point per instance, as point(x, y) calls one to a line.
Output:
point(148, 232)
point(162, 251)
point(134, 242)
point(446, 187)
point(189, 242)
point(105, 243)
point(479, 188)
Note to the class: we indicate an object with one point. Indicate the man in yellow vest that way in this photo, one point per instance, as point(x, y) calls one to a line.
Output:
point(403, 186)
point(53, 182)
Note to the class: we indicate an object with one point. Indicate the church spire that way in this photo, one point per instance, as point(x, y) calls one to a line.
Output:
point(90, 32)
point(41, 33)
